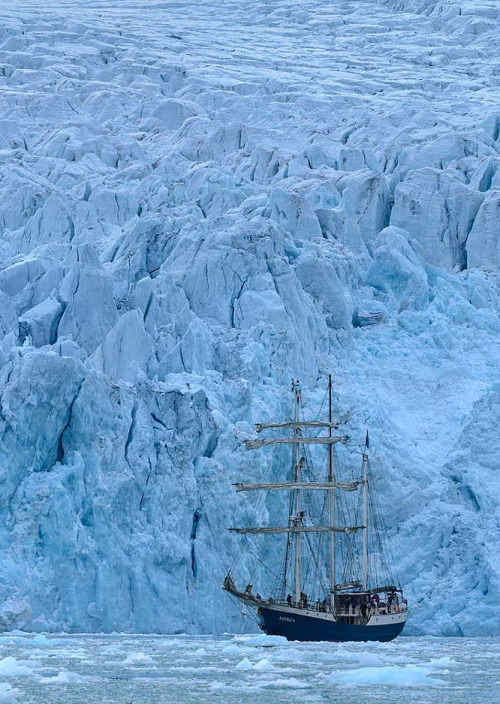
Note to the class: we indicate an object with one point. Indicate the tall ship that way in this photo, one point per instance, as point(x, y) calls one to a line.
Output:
point(336, 581)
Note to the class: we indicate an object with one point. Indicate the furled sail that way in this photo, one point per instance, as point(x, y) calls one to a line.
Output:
point(297, 440)
point(297, 424)
point(322, 486)
point(300, 529)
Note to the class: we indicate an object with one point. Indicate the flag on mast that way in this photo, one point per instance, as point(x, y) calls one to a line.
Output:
point(367, 441)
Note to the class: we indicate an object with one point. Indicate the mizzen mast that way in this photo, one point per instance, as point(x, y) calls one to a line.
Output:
point(297, 520)
point(365, 514)
point(331, 497)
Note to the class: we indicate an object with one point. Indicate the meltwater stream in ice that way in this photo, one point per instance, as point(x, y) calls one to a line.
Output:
point(239, 669)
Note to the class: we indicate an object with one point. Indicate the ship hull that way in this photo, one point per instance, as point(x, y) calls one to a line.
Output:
point(294, 626)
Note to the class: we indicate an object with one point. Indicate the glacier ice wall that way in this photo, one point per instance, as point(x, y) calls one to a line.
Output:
point(198, 202)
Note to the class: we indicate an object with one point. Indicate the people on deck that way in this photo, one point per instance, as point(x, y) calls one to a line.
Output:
point(289, 600)
point(248, 589)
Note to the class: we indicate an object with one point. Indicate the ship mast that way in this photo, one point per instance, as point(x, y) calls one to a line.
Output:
point(331, 497)
point(298, 518)
point(365, 515)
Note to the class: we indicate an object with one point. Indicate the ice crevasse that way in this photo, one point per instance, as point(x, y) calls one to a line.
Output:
point(198, 206)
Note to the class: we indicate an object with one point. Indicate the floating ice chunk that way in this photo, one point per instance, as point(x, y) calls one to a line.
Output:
point(244, 664)
point(367, 658)
point(261, 640)
point(42, 639)
point(138, 659)
point(285, 683)
point(8, 694)
point(264, 665)
point(65, 677)
point(10, 667)
point(230, 650)
point(404, 676)
point(443, 662)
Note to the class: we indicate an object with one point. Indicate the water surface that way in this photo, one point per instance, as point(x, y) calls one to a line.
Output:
point(239, 669)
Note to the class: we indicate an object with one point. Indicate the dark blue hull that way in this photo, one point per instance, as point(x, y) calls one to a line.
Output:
point(294, 626)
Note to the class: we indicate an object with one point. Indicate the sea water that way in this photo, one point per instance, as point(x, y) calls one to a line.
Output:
point(131, 669)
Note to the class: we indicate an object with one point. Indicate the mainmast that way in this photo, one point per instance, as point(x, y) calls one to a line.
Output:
point(331, 497)
point(365, 514)
point(298, 518)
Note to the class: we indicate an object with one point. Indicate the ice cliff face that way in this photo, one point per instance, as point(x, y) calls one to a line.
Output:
point(199, 201)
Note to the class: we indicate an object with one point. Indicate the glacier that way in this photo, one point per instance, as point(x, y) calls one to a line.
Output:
point(200, 201)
